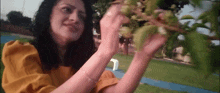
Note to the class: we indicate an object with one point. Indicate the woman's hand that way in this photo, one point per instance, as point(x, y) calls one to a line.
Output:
point(110, 25)
point(153, 43)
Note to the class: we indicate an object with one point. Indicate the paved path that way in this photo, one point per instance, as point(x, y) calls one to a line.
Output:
point(5, 39)
point(162, 84)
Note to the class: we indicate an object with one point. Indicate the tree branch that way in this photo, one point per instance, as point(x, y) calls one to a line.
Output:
point(156, 22)
point(171, 28)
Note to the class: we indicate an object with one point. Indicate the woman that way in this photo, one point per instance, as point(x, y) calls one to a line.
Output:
point(62, 57)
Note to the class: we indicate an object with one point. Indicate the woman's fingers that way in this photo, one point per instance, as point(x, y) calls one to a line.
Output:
point(112, 13)
point(118, 22)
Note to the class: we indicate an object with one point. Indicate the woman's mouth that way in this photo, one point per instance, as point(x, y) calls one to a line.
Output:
point(72, 28)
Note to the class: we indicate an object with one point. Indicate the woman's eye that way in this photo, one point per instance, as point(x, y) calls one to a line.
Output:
point(67, 10)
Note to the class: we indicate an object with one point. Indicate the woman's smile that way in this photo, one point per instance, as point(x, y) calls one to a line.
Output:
point(71, 28)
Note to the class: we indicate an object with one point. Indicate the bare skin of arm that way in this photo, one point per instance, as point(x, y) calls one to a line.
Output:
point(83, 81)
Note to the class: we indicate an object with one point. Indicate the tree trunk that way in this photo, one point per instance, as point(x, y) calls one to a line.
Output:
point(125, 50)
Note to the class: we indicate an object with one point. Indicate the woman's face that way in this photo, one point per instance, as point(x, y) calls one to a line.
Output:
point(67, 21)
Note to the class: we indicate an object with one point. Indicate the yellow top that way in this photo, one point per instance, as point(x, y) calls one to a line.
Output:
point(23, 72)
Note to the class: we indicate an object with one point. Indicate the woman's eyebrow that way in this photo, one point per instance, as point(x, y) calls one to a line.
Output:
point(73, 7)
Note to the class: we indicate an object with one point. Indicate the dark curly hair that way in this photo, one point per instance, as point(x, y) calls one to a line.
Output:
point(78, 52)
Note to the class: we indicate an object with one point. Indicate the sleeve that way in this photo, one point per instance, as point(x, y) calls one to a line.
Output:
point(107, 79)
point(23, 73)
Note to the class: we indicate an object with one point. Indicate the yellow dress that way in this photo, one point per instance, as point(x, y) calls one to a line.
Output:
point(23, 72)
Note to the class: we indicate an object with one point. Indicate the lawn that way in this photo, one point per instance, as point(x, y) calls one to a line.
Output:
point(5, 33)
point(170, 72)
point(144, 88)
point(1, 69)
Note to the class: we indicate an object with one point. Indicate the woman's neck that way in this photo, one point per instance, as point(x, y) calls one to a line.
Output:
point(61, 50)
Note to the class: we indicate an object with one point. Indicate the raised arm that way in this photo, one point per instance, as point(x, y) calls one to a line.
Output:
point(139, 64)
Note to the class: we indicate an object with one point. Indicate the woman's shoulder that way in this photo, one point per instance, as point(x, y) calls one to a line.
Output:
point(16, 52)
point(23, 68)
point(16, 43)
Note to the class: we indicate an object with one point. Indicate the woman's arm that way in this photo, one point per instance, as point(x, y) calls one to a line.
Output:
point(84, 80)
point(141, 60)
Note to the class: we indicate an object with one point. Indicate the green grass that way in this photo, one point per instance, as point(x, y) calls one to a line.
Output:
point(144, 88)
point(170, 72)
point(23, 39)
point(1, 69)
point(5, 34)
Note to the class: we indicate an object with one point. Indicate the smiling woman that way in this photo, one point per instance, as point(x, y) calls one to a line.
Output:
point(67, 21)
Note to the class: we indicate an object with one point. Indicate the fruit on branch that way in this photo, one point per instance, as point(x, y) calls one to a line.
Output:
point(150, 6)
point(126, 10)
point(170, 18)
point(196, 25)
point(126, 32)
point(142, 33)
point(134, 17)
point(162, 31)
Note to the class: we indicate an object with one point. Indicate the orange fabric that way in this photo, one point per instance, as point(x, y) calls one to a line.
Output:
point(23, 72)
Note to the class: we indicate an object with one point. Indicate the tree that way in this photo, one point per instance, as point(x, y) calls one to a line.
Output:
point(100, 8)
point(17, 18)
point(26, 21)
point(198, 45)
point(14, 17)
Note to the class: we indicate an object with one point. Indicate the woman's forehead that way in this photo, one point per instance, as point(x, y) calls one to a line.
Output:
point(76, 3)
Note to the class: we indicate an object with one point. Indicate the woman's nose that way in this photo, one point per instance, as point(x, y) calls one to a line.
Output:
point(74, 16)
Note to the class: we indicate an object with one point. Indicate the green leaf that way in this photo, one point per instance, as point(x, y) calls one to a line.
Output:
point(173, 21)
point(187, 17)
point(150, 7)
point(204, 20)
point(142, 33)
point(198, 48)
point(186, 25)
point(215, 62)
point(213, 18)
point(203, 15)
point(194, 27)
point(170, 18)
point(197, 2)
point(131, 2)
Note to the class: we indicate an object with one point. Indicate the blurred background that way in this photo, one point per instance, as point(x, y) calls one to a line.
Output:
point(17, 16)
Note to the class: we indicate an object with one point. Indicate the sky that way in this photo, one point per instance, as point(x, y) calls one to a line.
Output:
point(31, 6)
